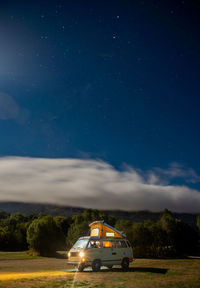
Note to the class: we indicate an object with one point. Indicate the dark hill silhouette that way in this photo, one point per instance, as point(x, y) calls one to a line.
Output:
point(67, 211)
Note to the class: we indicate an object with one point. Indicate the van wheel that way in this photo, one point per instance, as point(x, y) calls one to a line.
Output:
point(125, 264)
point(110, 266)
point(81, 267)
point(96, 265)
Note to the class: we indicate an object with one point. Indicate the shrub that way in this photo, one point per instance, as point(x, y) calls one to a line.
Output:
point(43, 236)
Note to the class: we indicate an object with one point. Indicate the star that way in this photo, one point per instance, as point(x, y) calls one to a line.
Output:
point(44, 37)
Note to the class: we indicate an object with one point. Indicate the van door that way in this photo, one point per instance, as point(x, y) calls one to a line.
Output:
point(93, 251)
point(110, 255)
point(124, 250)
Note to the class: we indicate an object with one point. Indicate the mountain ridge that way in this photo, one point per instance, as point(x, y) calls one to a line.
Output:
point(68, 211)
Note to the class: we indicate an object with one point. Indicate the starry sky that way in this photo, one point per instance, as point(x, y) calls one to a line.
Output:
point(113, 81)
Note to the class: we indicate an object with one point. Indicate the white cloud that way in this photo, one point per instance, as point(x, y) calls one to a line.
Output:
point(177, 170)
point(91, 183)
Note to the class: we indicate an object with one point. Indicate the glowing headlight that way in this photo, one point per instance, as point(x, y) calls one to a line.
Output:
point(81, 254)
point(69, 254)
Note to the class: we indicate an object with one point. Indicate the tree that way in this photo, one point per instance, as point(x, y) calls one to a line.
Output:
point(90, 215)
point(158, 239)
point(4, 238)
point(63, 225)
point(181, 238)
point(198, 222)
point(168, 224)
point(125, 226)
point(141, 241)
point(75, 231)
point(44, 236)
point(3, 214)
point(13, 231)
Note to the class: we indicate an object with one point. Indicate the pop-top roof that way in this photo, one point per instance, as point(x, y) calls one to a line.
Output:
point(103, 230)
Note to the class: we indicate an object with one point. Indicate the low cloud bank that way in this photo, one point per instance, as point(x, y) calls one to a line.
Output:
point(96, 184)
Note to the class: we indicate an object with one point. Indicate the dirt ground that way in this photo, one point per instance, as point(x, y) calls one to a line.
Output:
point(143, 273)
point(21, 265)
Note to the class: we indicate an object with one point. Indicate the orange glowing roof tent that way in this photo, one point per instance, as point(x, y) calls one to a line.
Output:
point(103, 230)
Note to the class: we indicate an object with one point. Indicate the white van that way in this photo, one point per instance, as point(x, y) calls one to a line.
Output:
point(96, 252)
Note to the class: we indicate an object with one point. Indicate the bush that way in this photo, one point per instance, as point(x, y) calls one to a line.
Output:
point(13, 232)
point(43, 236)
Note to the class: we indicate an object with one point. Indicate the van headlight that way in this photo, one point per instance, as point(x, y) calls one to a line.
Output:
point(69, 254)
point(81, 254)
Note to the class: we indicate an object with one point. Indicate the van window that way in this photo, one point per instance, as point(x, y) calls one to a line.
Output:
point(110, 234)
point(80, 244)
point(118, 244)
point(129, 245)
point(95, 232)
point(121, 244)
point(93, 244)
point(108, 244)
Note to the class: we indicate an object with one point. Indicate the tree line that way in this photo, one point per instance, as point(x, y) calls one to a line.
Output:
point(44, 234)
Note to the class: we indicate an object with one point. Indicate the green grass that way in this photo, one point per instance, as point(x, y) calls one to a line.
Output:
point(64, 284)
point(26, 255)
point(17, 255)
point(143, 273)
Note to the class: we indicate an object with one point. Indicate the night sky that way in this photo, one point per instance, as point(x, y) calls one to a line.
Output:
point(113, 82)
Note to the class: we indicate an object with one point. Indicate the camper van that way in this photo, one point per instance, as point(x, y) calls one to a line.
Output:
point(105, 246)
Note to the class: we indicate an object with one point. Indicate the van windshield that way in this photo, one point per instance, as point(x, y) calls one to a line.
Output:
point(80, 244)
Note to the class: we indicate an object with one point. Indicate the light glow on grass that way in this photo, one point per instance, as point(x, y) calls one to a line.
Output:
point(28, 275)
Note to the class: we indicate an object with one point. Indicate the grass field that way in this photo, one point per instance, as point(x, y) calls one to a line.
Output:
point(20, 270)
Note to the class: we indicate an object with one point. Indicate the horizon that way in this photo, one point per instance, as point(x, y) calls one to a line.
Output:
point(85, 208)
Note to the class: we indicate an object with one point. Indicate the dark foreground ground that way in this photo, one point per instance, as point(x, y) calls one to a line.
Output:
point(19, 270)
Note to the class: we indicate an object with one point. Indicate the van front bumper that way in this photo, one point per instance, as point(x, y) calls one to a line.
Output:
point(76, 263)
point(73, 262)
